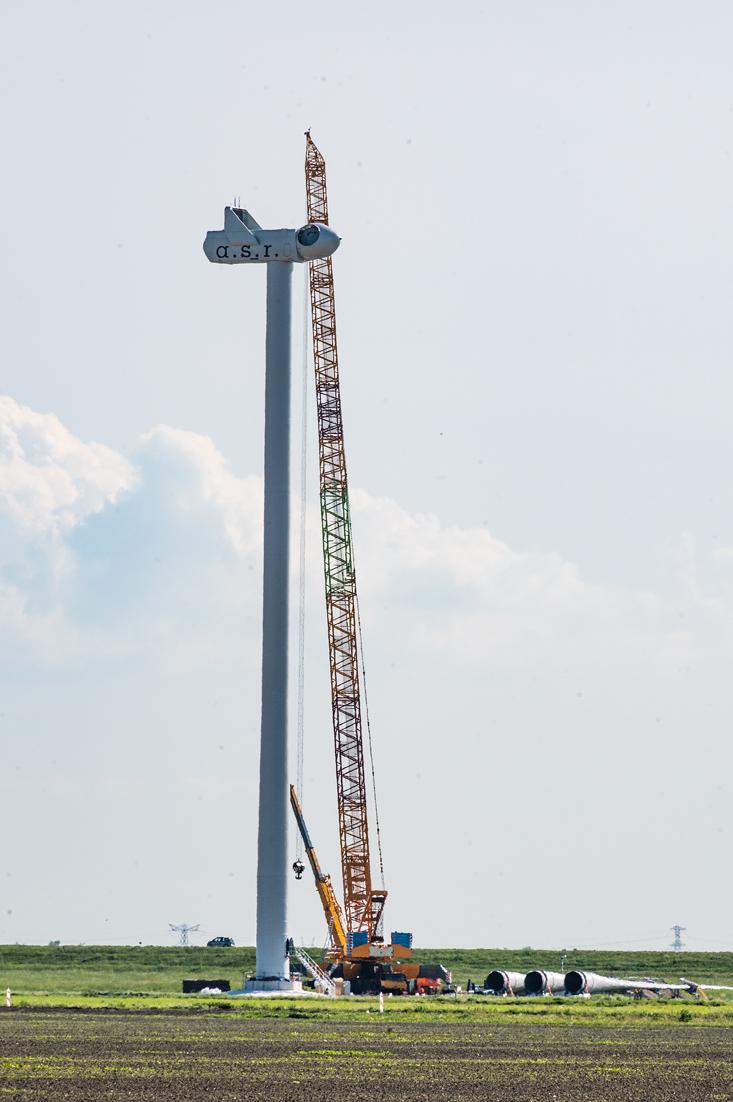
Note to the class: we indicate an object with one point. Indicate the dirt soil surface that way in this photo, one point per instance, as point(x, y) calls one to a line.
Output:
point(53, 1055)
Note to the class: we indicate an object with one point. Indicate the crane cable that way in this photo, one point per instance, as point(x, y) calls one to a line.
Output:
point(302, 548)
point(369, 740)
point(301, 603)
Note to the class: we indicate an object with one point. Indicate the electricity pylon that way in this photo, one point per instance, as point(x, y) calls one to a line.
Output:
point(678, 943)
point(184, 930)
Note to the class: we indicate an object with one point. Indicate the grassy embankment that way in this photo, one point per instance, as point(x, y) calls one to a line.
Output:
point(149, 977)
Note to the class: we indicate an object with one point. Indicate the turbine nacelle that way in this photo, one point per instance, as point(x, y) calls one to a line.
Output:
point(244, 241)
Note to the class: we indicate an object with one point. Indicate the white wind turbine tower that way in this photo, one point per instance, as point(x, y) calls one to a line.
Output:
point(243, 241)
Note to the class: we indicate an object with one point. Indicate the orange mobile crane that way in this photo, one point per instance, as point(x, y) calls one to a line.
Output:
point(329, 902)
point(357, 944)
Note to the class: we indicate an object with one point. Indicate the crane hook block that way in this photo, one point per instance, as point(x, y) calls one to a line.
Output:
point(298, 869)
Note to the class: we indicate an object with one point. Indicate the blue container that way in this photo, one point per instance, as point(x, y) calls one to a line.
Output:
point(399, 938)
point(356, 938)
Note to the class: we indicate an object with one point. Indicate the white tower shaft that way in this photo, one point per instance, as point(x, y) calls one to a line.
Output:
point(244, 241)
point(272, 961)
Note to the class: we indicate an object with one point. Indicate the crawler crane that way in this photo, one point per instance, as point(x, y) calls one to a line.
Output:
point(357, 944)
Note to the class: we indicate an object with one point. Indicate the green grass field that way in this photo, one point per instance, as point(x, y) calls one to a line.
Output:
point(111, 1022)
point(149, 977)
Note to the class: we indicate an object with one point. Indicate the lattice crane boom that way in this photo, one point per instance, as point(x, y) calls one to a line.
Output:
point(363, 904)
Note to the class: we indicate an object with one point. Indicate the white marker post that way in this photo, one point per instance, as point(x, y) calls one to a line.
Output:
point(243, 241)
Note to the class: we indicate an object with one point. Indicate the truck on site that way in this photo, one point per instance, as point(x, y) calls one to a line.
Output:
point(357, 952)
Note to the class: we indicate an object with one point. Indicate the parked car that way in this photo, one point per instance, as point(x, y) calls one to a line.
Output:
point(220, 943)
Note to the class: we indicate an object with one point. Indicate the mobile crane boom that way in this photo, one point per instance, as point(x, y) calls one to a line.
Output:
point(363, 904)
point(329, 902)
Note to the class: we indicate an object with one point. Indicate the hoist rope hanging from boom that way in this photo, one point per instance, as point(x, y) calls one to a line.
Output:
point(302, 557)
point(369, 741)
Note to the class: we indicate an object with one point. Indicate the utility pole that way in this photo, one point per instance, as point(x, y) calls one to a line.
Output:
point(678, 943)
point(184, 930)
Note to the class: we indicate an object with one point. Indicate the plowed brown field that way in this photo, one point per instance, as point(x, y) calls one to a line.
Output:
point(53, 1055)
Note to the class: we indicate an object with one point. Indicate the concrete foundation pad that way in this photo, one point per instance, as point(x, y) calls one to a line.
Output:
point(244, 994)
point(256, 986)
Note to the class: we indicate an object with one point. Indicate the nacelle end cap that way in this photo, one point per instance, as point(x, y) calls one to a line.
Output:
point(315, 241)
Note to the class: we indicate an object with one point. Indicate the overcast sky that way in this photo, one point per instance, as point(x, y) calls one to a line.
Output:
point(534, 309)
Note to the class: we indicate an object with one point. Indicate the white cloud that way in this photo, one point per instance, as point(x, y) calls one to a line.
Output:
point(484, 662)
point(50, 483)
point(96, 544)
point(193, 478)
point(466, 597)
point(50, 480)
point(159, 554)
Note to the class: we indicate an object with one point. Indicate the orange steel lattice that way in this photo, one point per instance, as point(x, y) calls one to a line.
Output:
point(363, 905)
